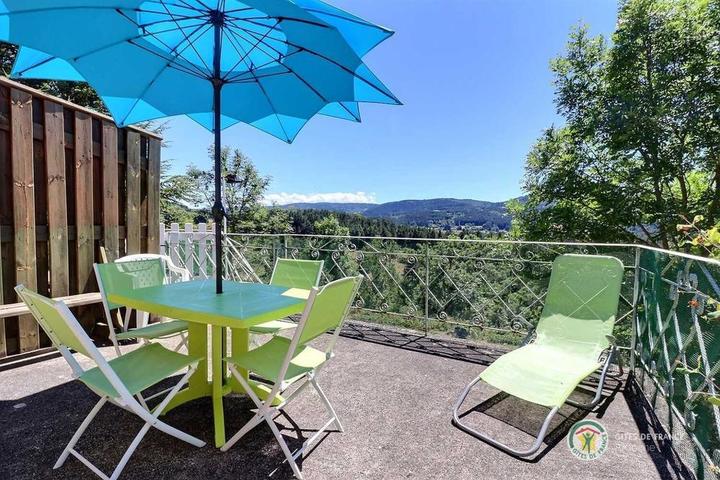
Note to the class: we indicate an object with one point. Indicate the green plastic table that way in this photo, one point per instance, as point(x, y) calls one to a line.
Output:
point(239, 307)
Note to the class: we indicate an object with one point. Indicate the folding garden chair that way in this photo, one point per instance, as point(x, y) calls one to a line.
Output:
point(137, 273)
point(572, 340)
point(291, 361)
point(116, 381)
point(291, 273)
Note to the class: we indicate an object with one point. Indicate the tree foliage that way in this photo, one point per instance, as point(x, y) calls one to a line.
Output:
point(640, 146)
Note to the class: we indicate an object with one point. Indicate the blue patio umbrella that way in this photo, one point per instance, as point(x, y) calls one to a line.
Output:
point(272, 64)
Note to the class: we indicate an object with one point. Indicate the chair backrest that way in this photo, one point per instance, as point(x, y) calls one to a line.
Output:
point(67, 334)
point(327, 308)
point(581, 303)
point(293, 273)
point(124, 276)
point(172, 271)
point(60, 325)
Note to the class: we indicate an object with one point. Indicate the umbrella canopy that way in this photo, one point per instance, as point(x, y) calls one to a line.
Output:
point(272, 64)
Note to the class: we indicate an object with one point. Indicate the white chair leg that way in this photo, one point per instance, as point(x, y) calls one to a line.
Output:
point(151, 421)
point(252, 423)
point(128, 453)
point(79, 432)
point(328, 406)
point(284, 447)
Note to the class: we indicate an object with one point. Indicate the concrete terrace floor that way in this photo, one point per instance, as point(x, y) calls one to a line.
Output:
point(395, 404)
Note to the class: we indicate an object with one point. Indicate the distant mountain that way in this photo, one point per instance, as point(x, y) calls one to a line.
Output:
point(436, 212)
point(333, 207)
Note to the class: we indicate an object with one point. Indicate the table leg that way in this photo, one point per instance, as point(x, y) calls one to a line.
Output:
point(240, 343)
point(217, 384)
point(198, 385)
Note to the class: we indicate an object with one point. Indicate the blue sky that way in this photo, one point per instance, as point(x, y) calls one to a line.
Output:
point(477, 92)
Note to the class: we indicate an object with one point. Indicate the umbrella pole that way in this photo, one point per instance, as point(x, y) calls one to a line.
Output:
point(218, 209)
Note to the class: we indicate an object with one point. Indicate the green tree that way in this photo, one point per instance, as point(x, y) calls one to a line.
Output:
point(330, 226)
point(639, 149)
point(175, 196)
point(242, 196)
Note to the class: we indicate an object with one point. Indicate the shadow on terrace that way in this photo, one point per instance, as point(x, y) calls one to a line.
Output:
point(395, 404)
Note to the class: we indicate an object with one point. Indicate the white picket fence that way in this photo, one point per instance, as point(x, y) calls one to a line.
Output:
point(193, 247)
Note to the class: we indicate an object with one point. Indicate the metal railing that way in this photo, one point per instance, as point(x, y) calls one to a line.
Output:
point(492, 291)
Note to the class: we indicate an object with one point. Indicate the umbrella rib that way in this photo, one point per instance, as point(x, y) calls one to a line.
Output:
point(281, 19)
point(237, 47)
point(343, 67)
point(267, 98)
point(147, 87)
point(200, 71)
point(299, 77)
point(247, 54)
point(186, 38)
point(172, 62)
point(262, 89)
point(236, 35)
point(157, 22)
point(352, 114)
point(136, 37)
point(184, 5)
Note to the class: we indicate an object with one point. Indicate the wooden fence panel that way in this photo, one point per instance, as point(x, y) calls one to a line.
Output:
point(57, 199)
point(21, 128)
point(63, 191)
point(111, 227)
point(84, 225)
point(153, 189)
point(133, 222)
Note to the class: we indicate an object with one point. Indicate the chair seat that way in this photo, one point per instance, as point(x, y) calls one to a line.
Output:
point(541, 374)
point(155, 330)
point(266, 360)
point(273, 326)
point(139, 369)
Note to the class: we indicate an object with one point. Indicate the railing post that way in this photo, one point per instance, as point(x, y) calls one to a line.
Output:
point(202, 251)
point(427, 287)
point(285, 245)
point(636, 298)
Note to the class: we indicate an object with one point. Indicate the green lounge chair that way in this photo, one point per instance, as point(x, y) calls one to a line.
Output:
point(572, 340)
point(136, 273)
point(291, 361)
point(119, 381)
point(290, 273)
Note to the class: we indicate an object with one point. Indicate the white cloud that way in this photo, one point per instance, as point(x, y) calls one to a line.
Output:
point(284, 198)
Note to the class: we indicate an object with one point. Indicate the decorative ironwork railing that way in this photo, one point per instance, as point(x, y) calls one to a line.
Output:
point(677, 351)
point(493, 291)
point(482, 290)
